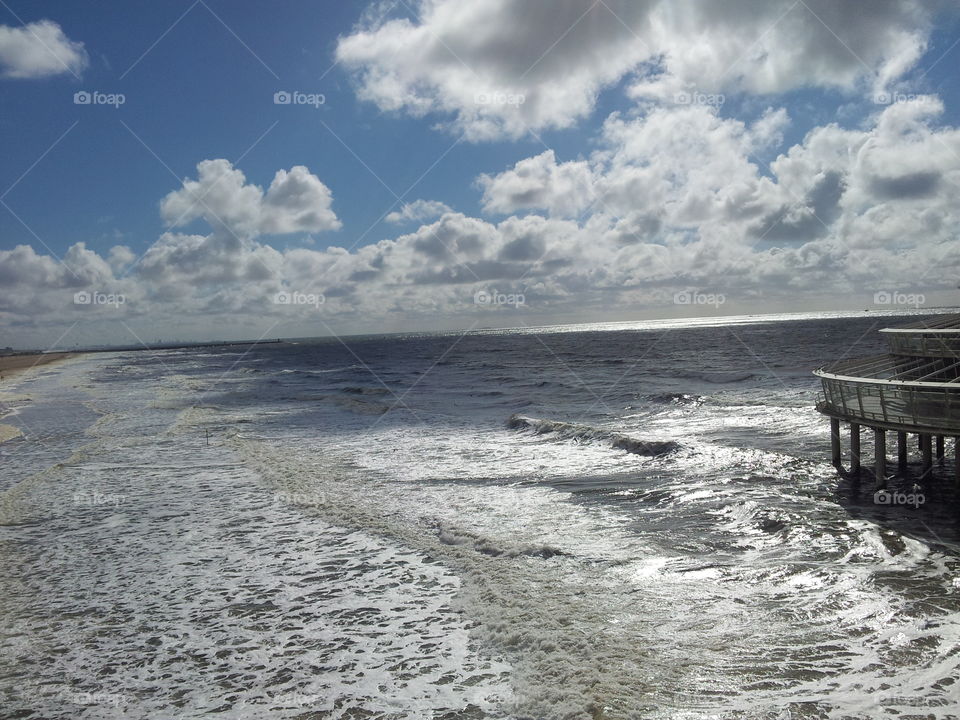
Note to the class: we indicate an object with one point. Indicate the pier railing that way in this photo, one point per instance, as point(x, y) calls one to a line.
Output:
point(923, 344)
point(928, 405)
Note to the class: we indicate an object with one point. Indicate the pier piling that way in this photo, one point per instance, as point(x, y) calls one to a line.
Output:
point(854, 449)
point(835, 442)
point(926, 444)
point(901, 451)
point(880, 457)
point(956, 461)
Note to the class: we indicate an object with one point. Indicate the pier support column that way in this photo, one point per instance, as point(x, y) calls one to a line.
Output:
point(956, 461)
point(926, 445)
point(835, 442)
point(880, 456)
point(902, 450)
point(940, 449)
point(854, 449)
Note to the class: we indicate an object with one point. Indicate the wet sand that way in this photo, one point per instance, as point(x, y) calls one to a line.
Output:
point(12, 365)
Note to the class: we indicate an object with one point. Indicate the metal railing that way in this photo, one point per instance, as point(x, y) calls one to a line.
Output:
point(892, 403)
point(924, 344)
point(898, 368)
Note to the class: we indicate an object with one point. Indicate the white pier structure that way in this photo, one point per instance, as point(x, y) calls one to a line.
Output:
point(914, 389)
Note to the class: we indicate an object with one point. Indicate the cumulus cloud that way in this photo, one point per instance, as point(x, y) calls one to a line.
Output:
point(418, 211)
point(500, 69)
point(296, 201)
point(496, 67)
point(540, 183)
point(39, 49)
point(772, 47)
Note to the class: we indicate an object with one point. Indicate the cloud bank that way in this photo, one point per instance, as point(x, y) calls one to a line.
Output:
point(502, 69)
point(843, 212)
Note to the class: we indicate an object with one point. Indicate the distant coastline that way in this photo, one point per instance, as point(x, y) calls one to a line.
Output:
point(128, 348)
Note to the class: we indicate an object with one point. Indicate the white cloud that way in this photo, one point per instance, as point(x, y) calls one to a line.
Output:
point(120, 258)
point(540, 183)
point(497, 69)
point(772, 47)
point(296, 201)
point(418, 210)
point(39, 49)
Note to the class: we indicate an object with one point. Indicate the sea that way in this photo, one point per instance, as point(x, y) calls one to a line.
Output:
point(632, 520)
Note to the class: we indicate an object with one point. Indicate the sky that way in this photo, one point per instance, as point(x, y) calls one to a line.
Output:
point(215, 170)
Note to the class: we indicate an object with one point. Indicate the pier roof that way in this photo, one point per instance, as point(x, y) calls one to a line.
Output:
point(939, 324)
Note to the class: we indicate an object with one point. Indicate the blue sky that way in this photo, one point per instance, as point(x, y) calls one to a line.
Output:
point(199, 93)
point(615, 224)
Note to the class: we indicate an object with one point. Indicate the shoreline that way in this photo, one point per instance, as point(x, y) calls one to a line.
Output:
point(11, 366)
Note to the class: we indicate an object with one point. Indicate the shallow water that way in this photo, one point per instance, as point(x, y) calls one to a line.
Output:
point(357, 529)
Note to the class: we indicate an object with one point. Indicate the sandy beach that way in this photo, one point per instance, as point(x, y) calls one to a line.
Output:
point(12, 365)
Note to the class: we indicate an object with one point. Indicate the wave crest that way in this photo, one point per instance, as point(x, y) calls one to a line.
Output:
point(574, 431)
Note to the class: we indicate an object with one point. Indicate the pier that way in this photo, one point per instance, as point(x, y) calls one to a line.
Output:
point(912, 392)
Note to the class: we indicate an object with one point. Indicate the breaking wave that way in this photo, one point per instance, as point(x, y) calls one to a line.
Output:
point(674, 398)
point(486, 546)
point(586, 433)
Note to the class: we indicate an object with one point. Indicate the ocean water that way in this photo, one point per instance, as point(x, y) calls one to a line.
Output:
point(586, 522)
